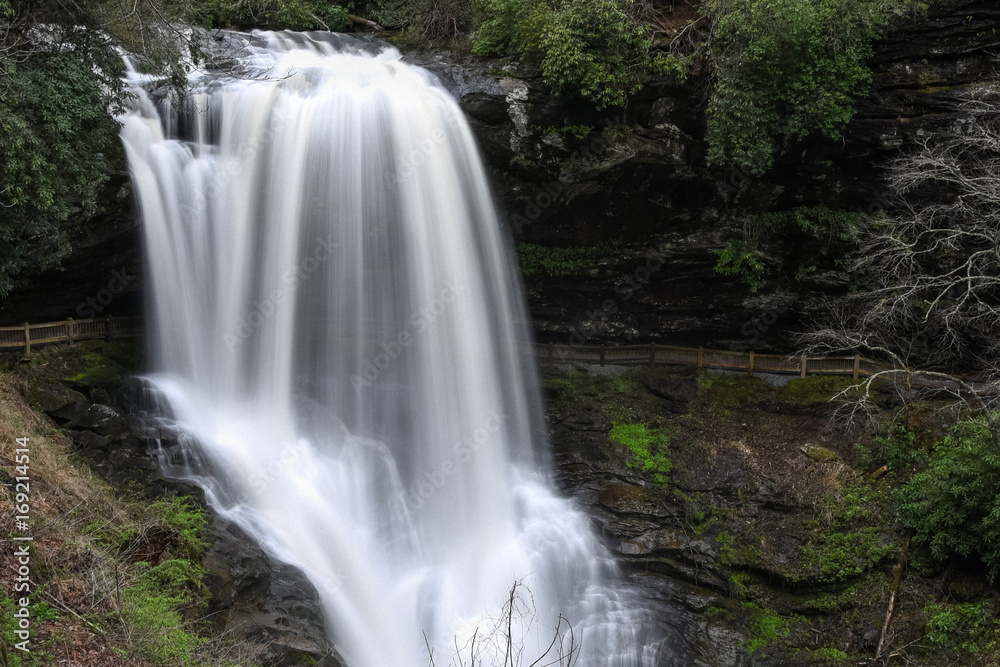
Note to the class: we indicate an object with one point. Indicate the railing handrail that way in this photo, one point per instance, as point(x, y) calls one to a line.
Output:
point(68, 330)
point(857, 366)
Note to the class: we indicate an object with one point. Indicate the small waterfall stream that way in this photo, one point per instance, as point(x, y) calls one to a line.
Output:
point(336, 325)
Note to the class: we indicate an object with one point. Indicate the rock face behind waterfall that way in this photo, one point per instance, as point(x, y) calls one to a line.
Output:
point(650, 182)
point(651, 177)
point(568, 175)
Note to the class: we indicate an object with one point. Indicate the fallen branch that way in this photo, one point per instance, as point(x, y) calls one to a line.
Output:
point(897, 576)
point(371, 24)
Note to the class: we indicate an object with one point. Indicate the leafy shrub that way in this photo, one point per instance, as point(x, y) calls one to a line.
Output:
point(954, 506)
point(851, 537)
point(429, 20)
point(57, 136)
point(743, 260)
point(270, 14)
point(828, 232)
point(957, 624)
point(501, 30)
point(593, 48)
point(896, 448)
point(649, 448)
point(784, 68)
point(555, 262)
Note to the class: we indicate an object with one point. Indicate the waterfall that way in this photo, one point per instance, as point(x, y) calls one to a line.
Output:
point(337, 327)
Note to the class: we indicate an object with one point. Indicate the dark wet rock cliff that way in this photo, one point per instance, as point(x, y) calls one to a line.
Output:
point(568, 175)
point(751, 548)
point(89, 392)
point(632, 185)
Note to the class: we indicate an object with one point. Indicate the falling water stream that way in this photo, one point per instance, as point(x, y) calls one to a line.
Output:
point(337, 326)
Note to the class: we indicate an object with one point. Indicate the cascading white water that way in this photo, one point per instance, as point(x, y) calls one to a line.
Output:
point(337, 325)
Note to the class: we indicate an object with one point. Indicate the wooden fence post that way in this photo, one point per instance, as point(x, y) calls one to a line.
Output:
point(802, 370)
point(857, 364)
point(70, 328)
point(700, 351)
point(27, 341)
point(552, 354)
point(750, 364)
point(652, 354)
point(602, 354)
point(110, 324)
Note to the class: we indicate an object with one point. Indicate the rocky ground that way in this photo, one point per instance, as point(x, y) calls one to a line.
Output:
point(102, 505)
point(767, 537)
point(756, 533)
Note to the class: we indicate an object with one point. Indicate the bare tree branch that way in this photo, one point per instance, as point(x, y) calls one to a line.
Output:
point(931, 306)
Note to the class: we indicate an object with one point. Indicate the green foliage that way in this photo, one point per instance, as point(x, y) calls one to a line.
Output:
point(827, 653)
point(741, 259)
point(784, 68)
point(841, 556)
point(57, 135)
point(724, 392)
point(851, 540)
point(814, 389)
point(727, 544)
point(896, 448)
point(736, 550)
point(593, 48)
point(579, 131)
point(42, 611)
point(180, 516)
point(829, 232)
point(502, 26)
point(739, 584)
point(555, 262)
point(831, 602)
point(954, 506)
point(151, 611)
point(765, 627)
point(111, 535)
point(827, 224)
point(957, 625)
point(648, 446)
point(187, 520)
point(668, 64)
point(11, 657)
point(271, 14)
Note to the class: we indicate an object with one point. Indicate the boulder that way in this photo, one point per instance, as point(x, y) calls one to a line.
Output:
point(88, 440)
point(817, 453)
point(59, 401)
point(102, 419)
point(677, 390)
point(264, 601)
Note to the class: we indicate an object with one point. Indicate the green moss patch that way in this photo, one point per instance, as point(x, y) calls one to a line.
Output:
point(723, 393)
point(648, 447)
point(92, 364)
point(814, 389)
point(555, 262)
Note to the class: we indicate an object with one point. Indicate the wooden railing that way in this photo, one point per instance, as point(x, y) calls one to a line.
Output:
point(856, 366)
point(68, 330)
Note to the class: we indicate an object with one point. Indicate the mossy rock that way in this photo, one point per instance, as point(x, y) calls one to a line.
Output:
point(815, 389)
point(817, 453)
point(729, 391)
point(86, 366)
